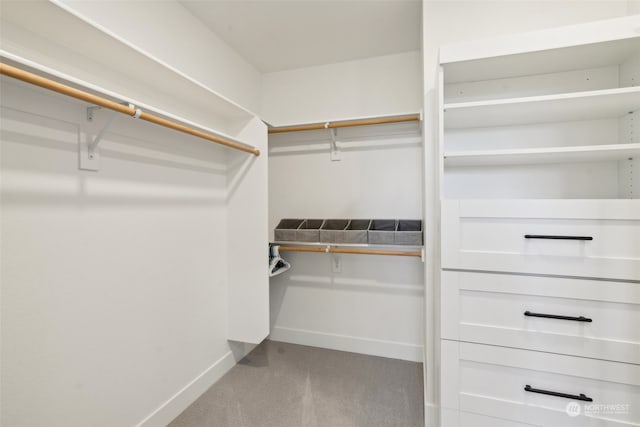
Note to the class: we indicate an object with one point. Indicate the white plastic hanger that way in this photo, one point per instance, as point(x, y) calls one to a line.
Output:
point(277, 265)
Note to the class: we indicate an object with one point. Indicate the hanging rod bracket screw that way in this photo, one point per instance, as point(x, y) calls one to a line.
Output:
point(90, 111)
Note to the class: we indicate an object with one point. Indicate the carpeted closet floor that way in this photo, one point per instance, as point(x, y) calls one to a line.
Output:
point(288, 385)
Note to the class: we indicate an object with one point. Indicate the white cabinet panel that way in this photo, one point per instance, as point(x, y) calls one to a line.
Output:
point(490, 308)
point(491, 381)
point(491, 236)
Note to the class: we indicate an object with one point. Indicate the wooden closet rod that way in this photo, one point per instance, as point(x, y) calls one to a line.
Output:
point(348, 123)
point(43, 82)
point(348, 251)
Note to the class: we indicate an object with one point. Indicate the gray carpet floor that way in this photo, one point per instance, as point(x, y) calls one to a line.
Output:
point(288, 385)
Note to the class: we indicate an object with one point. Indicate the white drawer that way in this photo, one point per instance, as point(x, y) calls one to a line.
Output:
point(491, 380)
point(453, 418)
point(490, 235)
point(490, 308)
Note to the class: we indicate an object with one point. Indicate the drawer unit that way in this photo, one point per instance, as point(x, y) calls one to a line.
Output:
point(537, 388)
point(583, 238)
point(590, 318)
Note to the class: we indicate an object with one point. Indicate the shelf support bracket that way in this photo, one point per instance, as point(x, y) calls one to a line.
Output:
point(335, 151)
point(89, 155)
point(94, 144)
point(88, 149)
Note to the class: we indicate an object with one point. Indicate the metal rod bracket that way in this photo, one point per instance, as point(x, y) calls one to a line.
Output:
point(88, 152)
point(336, 155)
point(94, 144)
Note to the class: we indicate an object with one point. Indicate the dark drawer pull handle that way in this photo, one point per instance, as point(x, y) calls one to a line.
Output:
point(555, 316)
point(555, 393)
point(546, 236)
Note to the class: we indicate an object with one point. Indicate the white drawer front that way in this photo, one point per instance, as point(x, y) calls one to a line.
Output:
point(491, 381)
point(490, 235)
point(453, 418)
point(490, 308)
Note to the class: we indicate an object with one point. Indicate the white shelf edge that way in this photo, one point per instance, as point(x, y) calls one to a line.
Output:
point(115, 95)
point(348, 119)
point(345, 245)
point(542, 98)
point(565, 107)
point(541, 155)
point(147, 55)
point(540, 40)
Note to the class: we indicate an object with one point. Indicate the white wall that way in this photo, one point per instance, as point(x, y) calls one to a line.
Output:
point(375, 305)
point(375, 86)
point(110, 300)
point(447, 22)
point(167, 31)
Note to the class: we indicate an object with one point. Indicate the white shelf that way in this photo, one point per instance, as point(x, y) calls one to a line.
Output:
point(582, 46)
point(590, 153)
point(347, 245)
point(74, 82)
point(564, 107)
point(45, 36)
point(323, 120)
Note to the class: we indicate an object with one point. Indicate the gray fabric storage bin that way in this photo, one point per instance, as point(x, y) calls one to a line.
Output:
point(382, 231)
point(285, 231)
point(309, 231)
point(332, 230)
point(357, 231)
point(409, 232)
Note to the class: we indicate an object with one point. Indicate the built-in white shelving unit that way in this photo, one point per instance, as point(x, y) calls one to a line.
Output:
point(539, 147)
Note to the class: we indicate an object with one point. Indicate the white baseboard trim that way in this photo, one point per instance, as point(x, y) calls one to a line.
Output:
point(431, 415)
point(390, 349)
point(180, 401)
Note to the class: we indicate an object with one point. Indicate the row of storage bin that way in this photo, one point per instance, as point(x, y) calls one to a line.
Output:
point(351, 231)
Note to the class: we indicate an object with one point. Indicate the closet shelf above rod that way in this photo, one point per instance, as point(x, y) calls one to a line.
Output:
point(129, 110)
point(347, 123)
point(333, 250)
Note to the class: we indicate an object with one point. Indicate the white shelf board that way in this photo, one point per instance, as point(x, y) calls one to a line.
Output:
point(563, 107)
point(590, 153)
point(347, 245)
point(74, 82)
point(584, 57)
point(347, 119)
point(44, 33)
point(592, 45)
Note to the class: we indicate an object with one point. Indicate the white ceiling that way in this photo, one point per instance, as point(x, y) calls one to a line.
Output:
point(280, 35)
